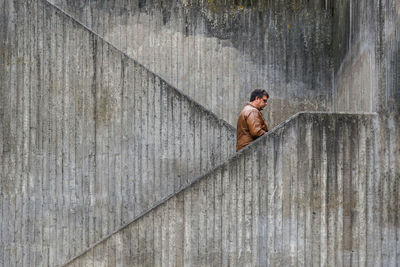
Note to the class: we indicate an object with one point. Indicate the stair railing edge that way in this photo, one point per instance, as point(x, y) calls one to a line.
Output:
point(198, 105)
point(196, 180)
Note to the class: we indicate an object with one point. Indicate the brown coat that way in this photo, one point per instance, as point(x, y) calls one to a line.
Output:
point(250, 126)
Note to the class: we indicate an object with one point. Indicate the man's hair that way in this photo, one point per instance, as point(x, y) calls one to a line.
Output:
point(258, 93)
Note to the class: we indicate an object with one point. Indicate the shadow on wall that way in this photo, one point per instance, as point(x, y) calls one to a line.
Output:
point(356, 84)
point(365, 49)
point(217, 53)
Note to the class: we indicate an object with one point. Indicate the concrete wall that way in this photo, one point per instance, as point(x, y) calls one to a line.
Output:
point(311, 55)
point(89, 138)
point(366, 45)
point(218, 51)
point(321, 190)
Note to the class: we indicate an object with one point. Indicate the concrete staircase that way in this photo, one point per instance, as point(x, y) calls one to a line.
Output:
point(103, 163)
point(318, 190)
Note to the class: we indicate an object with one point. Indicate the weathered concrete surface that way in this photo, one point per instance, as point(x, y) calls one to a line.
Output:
point(320, 190)
point(336, 55)
point(218, 51)
point(76, 123)
point(89, 139)
point(366, 46)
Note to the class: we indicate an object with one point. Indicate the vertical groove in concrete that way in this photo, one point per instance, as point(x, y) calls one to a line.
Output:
point(89, 138)
point(323, 217)
point(3, 67)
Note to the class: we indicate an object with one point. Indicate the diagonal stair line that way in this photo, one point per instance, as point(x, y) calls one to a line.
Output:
point(101, 206)
point(201, 107)
point(187, 185)
point(178, 92)
point(324, 167)
point(245, 150)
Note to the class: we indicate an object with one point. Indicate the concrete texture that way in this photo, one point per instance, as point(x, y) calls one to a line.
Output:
point(217, 52)
point(366, 45)
point(320, 190)
point(89, 139)
point(336, 55)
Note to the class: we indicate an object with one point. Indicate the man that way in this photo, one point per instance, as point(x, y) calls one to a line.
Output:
point(251, 123)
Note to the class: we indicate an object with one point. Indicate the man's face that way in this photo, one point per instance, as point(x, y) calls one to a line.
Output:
point(262, 102)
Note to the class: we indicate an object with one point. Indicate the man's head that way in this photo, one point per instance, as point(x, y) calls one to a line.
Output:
point(259, 98)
